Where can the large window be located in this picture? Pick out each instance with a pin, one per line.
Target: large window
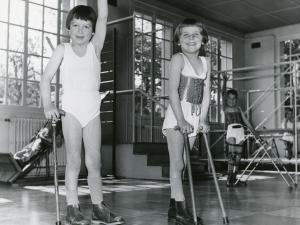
(153, 40)
(28, 31)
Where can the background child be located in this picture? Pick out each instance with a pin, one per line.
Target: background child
(189, 92)
(79, 63)
(288, 137)
(235, 134)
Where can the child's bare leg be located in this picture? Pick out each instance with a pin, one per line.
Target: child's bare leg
(73, 139)
(175, 147)
(178, 210)
(92, 145)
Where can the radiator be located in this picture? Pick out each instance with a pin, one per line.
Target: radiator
(22, 130)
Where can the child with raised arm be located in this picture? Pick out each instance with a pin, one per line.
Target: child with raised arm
(235, 121)
(79, 64)
(288, 137)
(189, 92)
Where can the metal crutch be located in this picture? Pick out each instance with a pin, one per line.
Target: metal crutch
(188, 164)
(58, 222)
(225, 218)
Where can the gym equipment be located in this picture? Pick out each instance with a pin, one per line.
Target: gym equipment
(266, 149)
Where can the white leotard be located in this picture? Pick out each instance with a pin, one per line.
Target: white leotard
(80, 78)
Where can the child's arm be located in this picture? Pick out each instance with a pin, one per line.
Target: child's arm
(284, 123)
(175, 68)
(203, 125)
(246, 121)
(224, 90)
(100, 32)
(50, 110)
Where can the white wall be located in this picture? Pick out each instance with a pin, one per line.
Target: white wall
(264, 55)
(267, 54)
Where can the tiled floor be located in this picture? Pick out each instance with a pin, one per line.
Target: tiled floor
(266, 200)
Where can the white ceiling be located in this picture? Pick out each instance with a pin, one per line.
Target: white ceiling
(245, 16)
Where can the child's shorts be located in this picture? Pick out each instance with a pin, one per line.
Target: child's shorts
(236, 131)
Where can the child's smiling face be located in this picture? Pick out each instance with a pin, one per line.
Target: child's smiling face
(190, 39)
(231, 100)
(80, 31)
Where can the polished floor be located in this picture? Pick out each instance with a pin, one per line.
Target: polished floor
(266, 200)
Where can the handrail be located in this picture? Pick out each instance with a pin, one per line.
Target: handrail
(258, 67)
(143, 93)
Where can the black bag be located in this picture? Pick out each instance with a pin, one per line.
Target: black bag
(40, 143)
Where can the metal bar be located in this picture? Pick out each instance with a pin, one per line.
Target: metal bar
(257, 67)
(58, 222)
(114, 135)
(113, 22)
(295, 125)
(189, 168)
(225, 218)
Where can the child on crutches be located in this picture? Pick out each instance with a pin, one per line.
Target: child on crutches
(235, 122)
(189, 91)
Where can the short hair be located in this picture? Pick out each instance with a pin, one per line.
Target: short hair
(232, 92)
(187, 23)
(82, 12)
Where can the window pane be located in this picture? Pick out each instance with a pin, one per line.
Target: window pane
(159, 46)
(138, 81)
(159, 31)
(35, 11)
(33, 94)
(52, 3)
(168, 34)
(50, 20)
(2, 90)
(34, 42)
(3, 56)
(4, 10)
(214, 62)
(138, 22)
(138, 64)
(63, 28)
(147, 26)
(3, 35)
(138, 44)
(213, 43)
(229, 49)
(223, 48)
(14, 95)
(146, 65)
(15, 65)
(16, 38)
(34, 68)
(17, 12)
(223, 63)
(147, 44)
(47, 48)
(157, 68)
